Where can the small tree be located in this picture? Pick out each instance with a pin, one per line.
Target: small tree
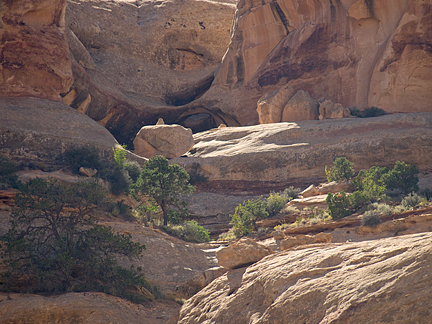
(342, 170)
(247, 214)
(163, 183)
(403, 176)
(55, 245)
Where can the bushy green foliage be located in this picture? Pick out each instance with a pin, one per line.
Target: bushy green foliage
(133, 168)
(339, 205)
(342, 170)
(119, 156)
(275, 203)
(55, 245)
(84, 156)
(291, 193)
(8, 171)
(247, 214)
(190, 231)
(383, 209)
(412, 200)
(367, 112)
(403, 176)
(163, 182)
(370, 184)
(370, 218)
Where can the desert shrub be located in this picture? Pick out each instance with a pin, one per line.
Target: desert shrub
(339, 205)
(84, 156)
(342, 170)
(291, 193)
(427, 193)
(119, 180)
(120, 156)
(190, 231)
(133, 168)
(367, 112)
(370, 218)
(275, 203)
(403, 177)
(412, 200)
(8, 171)
(290, 210)
(247, 214)
(383, 209)
(120, 209)
(55, 245)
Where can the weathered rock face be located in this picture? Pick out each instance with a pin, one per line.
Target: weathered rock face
(137, 61)
(170, 141)
(330, 110)
(39, 130)
(292, 241)
(325, 188)
(300, 107)
(82, 308)
(242, 253)
(386, 281)
(179, 269)
(271, 105)
(356, 52)
(278, 155)
(35, 59)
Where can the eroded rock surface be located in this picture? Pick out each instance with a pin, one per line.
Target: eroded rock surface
(35, 58)
(278, 155)
(170, 141)
(386, 280)
(82, 308)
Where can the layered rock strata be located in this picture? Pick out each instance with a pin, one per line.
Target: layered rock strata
(274, 156)
(386, 280)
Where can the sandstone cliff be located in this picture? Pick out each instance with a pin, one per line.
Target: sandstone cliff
(385, 281)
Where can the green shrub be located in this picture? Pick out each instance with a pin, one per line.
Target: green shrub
(190, 231)
(119, 180)
(8, 171)
(367, 112)
(85, 156)
(55, 244)
(342, 170)
(275, 203)
(247, 214)
(339, 205)
(412, 200)
(120, 156)
(383, 209)
(291, 193)
(370, 218)
(133, 168)
(403, 176)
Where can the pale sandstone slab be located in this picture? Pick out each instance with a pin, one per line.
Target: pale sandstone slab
(386, 280)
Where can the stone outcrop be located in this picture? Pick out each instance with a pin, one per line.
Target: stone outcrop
(274, 156)
(300, 107)
(35, 58)
(242, 253)
(82, 308)
(271, 105)
(135, 62)
(170, 141)
(325, 188)
(356, 53)
(314, 201)
(386, 280)
(177, 268)
(39, 130)
(330, 110)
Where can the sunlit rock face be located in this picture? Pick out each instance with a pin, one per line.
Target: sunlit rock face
(35, 58)
(357, 53)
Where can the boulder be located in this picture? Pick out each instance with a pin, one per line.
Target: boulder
(271, 105)
(278, 235)
(325, 188)
(300, 107)
(242, 253)
(82, 308)
(314, 201)
(35, 58)
(292, 241)
(386, 280)
(330, 110)
(88, 172)
(170, 141)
